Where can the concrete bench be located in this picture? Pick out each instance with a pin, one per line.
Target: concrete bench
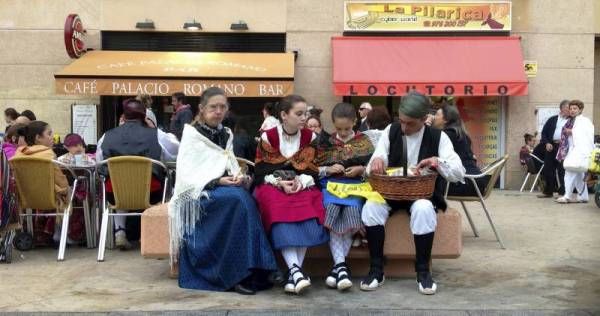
(399, 246)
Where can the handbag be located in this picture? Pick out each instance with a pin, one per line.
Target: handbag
(576, 163)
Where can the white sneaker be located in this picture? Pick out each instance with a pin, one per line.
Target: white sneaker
(289, 287)
(562, 200)
(121, 241)
(425, 283)
(301, 286)
(331, 281)
(301, 282)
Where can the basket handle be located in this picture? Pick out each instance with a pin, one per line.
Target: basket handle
(403, 160)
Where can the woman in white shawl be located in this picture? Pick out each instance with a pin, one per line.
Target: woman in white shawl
(577, 143)
(216, 232)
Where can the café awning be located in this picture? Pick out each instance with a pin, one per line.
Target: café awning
(459, 66)
(164, 73)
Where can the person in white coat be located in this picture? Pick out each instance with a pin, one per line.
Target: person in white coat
(576, 146)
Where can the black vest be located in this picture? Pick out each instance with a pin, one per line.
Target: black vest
(429, 148)
(133, 139)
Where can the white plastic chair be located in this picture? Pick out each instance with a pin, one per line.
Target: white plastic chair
(537, 175)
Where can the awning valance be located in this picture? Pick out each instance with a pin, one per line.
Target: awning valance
(164, 73)
(459, 66)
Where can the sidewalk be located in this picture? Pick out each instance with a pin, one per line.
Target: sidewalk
(551, 266)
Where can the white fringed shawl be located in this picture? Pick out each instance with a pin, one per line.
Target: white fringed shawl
(199, 161)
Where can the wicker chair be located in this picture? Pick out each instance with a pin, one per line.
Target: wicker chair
(130, 177)
(493, 170)
(34, 177)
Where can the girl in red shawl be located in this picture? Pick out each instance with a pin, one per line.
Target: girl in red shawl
(290, 204)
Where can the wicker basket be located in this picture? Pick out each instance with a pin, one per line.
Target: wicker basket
(403, 188)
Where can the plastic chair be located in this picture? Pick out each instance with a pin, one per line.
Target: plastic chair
(493, 170)
(531, 171)
(130, 177)
(34, 177)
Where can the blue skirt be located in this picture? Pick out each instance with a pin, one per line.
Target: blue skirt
(228, 244)
(308, 233)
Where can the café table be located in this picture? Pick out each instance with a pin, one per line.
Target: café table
(91, 214)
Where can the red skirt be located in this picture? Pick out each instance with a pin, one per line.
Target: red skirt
(276, 206)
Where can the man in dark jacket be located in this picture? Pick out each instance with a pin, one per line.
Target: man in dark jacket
(183, 114)
(135, 138)
(551, 139)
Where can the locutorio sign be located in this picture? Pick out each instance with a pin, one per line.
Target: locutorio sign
(484, 16)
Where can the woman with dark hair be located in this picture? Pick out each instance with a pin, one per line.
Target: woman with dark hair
(313, 123)
(342, 158)
(447, 118)
(39, 141)
(377, 120)
(29, 114)
(12, 140)
(527, 148)
(38, 137)
(216, 233)
(290, 203)
(10, 115)
(269, 115)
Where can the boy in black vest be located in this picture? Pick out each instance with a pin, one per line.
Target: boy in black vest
(426, 147)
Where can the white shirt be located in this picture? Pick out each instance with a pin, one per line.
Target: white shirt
(269, 123)
(450, 167)
(560, 123)
(288, 147)
(167, 141)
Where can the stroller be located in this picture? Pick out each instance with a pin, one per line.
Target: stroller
(9, 215)
(594, 172)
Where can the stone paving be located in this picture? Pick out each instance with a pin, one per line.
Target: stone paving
(551, 267)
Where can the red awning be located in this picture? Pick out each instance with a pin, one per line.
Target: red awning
(460, 66)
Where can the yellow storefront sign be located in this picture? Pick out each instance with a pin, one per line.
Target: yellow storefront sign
(164, 73)
(166, 87)
(427, 16)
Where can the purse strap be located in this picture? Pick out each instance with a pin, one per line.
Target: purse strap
(403, 161)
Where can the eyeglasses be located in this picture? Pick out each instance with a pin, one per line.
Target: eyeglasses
(360, 109)
(214, 107)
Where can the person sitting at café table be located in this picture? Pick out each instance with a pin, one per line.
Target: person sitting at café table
(135, 138)
(12, 140)
(39, 141)
(216, 231)
(75, 146)
(426, 148)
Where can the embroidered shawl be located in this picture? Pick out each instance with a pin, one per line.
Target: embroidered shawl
(199, 161)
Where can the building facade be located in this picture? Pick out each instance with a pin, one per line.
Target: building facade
(559, 35)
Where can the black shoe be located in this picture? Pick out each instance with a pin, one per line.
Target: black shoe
(302, 282)
(343, 280)
(374, 279)
(241, 289)
(276, 277)
(545, 196)
(425, 283)
(339, 277)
